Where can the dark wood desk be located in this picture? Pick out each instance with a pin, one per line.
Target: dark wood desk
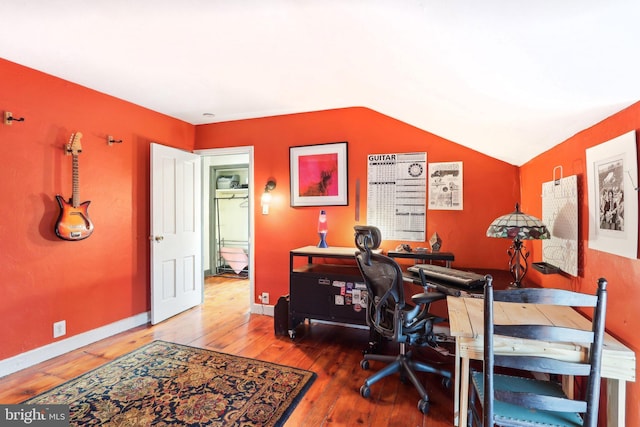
(447, 257)
(327, 287)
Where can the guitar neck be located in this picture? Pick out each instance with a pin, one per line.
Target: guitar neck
(75, 198)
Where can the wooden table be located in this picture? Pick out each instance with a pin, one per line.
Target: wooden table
(467, 326)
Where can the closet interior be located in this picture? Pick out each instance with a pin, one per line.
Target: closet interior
(231, 220)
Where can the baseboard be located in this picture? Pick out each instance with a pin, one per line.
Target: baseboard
(267, 310)
(49, 351)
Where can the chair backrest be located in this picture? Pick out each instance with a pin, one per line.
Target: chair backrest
(549, 330)
(383, 278)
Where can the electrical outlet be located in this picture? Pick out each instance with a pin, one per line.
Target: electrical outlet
(265, 297)
(59, 328)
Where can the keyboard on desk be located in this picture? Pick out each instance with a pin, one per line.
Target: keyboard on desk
(459, 278)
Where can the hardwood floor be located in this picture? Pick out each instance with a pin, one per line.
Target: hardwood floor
(223, 323)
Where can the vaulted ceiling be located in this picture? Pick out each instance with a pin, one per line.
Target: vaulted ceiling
(508, 78)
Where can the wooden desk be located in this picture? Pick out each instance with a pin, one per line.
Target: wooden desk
(315, 252)
(325, 287)
(467, 326)
(447, 257)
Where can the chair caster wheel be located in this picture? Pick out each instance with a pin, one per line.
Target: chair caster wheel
(423, 406)
(364, 364)
(365, 391)
(371, 349)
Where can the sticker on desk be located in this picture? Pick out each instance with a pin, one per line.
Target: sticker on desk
(339, 300)
(339, 283)
(355, 295)
(324, 281)
(349, 287)
(360, 285)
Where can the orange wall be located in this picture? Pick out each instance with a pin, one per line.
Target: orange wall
(491, 187)
(88, 283)
(105, 278)
(622, 273)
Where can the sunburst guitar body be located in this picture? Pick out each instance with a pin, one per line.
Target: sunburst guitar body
(73, 222)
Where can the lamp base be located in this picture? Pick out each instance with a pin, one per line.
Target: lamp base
(323, 240)
(517, 263)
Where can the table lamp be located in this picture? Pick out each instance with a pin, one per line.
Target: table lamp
(518, 226)
(323, 229)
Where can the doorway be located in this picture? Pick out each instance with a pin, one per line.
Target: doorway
(223, 162)
(229, 208)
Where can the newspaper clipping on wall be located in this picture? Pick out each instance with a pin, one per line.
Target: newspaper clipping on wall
(397, 195)
(445, 186)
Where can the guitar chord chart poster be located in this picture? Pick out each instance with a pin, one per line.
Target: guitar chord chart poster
(397, 195)
(560, 215)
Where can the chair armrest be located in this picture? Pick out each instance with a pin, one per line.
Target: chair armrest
(427, 297)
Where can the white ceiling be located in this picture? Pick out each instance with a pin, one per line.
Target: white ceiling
(508, 78)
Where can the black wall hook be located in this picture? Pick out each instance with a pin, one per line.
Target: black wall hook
(9, 119)
(111, 141)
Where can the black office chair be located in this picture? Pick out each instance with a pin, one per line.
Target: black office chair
(511, 400)
(392, 318)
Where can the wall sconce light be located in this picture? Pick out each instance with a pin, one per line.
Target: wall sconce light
(265, 200)
(9, 119)
(111, 140)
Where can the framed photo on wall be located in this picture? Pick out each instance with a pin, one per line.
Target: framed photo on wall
(445, 186)
(612, 176)
(318, 175)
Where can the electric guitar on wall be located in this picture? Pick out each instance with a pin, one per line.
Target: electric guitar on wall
(73, 222)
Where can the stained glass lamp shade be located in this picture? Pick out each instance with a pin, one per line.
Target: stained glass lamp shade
(518, 226)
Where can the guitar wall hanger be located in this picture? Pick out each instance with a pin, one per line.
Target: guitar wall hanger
(9, 119)
(111, 140)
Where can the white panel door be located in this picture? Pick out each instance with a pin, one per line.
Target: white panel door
(176, 249)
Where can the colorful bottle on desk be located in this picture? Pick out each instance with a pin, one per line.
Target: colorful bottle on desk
(323, 229)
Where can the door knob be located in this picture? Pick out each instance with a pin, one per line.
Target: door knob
(158, 238)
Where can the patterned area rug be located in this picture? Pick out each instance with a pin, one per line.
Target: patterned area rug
(164, 383)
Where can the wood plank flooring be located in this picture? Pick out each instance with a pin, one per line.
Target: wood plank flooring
(224, 323)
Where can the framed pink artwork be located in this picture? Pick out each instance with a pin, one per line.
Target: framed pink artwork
(318, 175)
